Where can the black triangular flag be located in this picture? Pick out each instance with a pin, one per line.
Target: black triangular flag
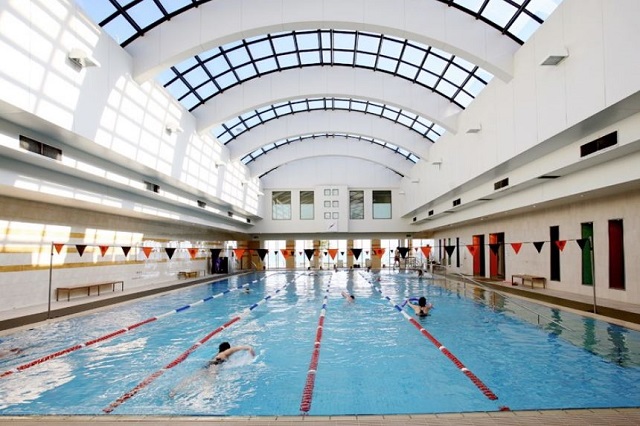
(538, 245)
(449, 249)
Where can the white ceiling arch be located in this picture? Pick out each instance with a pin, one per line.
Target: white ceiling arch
(330, 147)
(219, 22)
(326, 121)
(325, 82)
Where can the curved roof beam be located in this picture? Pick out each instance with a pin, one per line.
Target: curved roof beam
(332, 147)
(216, 23)
(332, 122)
(327, 82)
(236, 127)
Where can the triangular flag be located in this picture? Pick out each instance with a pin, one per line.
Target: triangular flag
(309, 253)
(341, 253)
(147, 251)
(494, 248)
(239, 253)
(472, 249)
(582, 242)
(125, 250)
(538, 245)
(325, 253)
(285, 253)
(332, 253)
(403, 251)
(426, 250)
(262, 253)
(170, 251)
(103, 249)
(366, 252)
(379, 252)
(415, 249)
(516, 247)
(449, 249)
(356, 252)
(193, 252)
(58, 247)
(80, 248)
(561, 244)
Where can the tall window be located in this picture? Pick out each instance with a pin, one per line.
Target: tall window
(281, 203)
(382, 204)
(306, 205)
(616, 255)
(356, 204)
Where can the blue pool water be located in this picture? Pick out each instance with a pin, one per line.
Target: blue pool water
(372, 359)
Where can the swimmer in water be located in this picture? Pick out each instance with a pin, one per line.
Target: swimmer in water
(422, 308)
(349, 297)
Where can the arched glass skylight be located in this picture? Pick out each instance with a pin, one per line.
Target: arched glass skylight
(126, 20)
(235, 127)
(275, 145)
(201, 77)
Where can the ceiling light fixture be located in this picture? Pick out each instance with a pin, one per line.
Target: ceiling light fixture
(82, 59)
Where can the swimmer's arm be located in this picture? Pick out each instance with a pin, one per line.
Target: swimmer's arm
(235, 349)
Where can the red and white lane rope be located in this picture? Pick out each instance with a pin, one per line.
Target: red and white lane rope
(307, 392)
(474, 379)
(113, 334)
(150, 379)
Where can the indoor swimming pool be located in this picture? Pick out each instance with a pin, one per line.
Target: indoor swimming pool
(318, 354)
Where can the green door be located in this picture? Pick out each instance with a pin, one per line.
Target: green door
(587, 267)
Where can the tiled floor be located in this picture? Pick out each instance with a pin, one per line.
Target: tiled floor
(608, 417)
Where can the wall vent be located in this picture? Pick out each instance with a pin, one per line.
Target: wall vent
(230, 214)
(202, 204)
(415, 218)
(40, 148)
(501, 184)
(152, 187)
(599, 144)
(456, 202)
(430, 212)
(548, 177)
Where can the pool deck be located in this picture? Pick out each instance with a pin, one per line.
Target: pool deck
(609, 417)
(625, 314)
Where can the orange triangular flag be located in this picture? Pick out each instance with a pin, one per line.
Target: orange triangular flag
(516, 247)
(238, 253)
(103, 249)
(285, 253)
(147, 251)
(332, 253)
(193, 252)
(561, 244)
(58, 247)
(472, 249)
(426, 250)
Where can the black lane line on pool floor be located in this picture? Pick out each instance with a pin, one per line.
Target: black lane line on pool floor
(307, 392)
(474, 379)
(113, 334)
(150, 379)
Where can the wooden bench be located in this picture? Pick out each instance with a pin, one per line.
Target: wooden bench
(88, 288)
(531, 278)
(188, 274)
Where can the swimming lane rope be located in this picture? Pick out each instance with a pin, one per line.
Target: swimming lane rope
(150, 379)
(113, 334)
(474, 379)
(307, 392)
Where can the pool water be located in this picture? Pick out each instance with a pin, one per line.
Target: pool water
(372, 360)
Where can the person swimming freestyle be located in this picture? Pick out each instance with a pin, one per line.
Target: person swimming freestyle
(422, 308)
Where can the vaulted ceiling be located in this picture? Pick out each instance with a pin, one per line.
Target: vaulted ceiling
(272, 77)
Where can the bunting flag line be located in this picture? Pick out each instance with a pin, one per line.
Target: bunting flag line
(103, 250)
(147, 251)
(494, 247)
(285, 253)
(426, 250)
(58, 247)
(262, 253)
(472, 249)
(239, 253)
(561, 244)
(538, 245)
(449, 250)
(583, 242)
(403, 251)
(125, 250)
(80, 248)
(332, 253)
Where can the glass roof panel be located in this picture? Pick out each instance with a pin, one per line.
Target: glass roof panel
(230, 130)
(136, 17)
(348, 137)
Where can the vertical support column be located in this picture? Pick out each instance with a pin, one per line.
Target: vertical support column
(349, 255)
(376, 262)
(254, 259)
(291, 260)
(315, 260)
